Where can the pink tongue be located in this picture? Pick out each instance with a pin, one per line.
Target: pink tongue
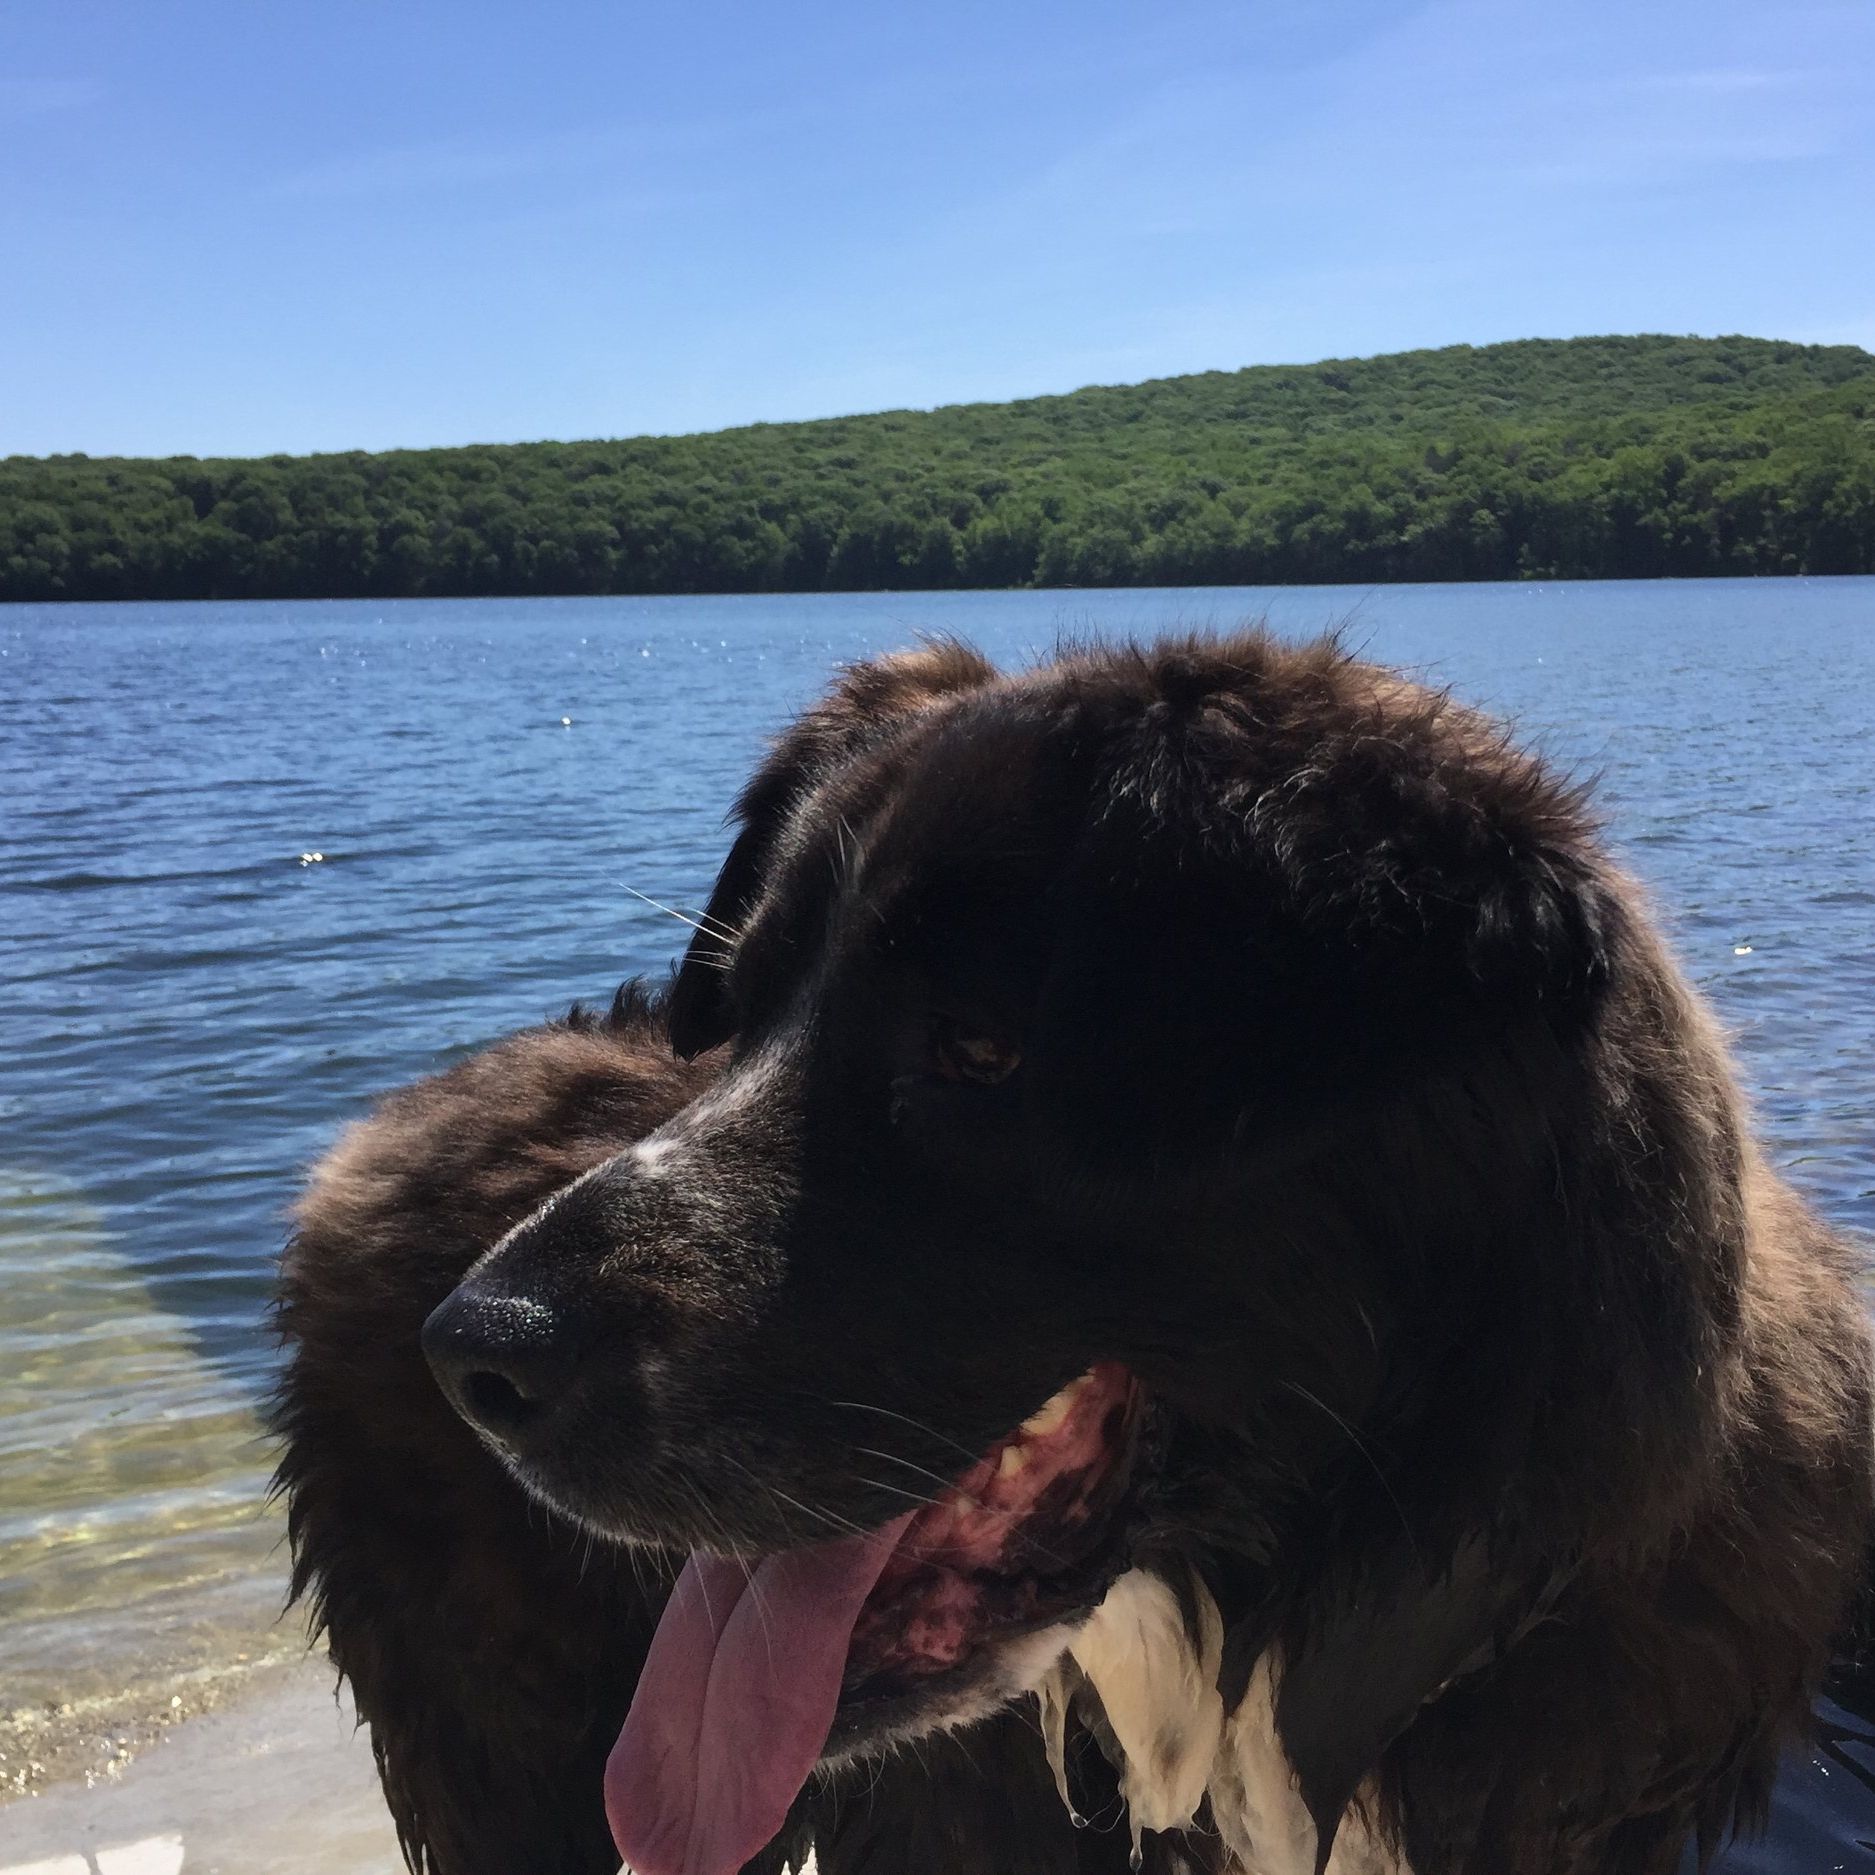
(735, 1702)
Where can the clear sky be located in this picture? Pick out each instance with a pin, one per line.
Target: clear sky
(239, 226)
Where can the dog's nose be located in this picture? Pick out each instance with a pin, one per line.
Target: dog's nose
(502, 1360)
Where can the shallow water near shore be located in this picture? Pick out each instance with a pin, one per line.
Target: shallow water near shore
(258, 861)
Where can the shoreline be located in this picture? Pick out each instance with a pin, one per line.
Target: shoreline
(91, 1690)
(272, 1777)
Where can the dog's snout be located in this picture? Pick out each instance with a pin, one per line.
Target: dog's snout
(503, 1360)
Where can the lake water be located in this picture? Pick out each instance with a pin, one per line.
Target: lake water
(260, 861)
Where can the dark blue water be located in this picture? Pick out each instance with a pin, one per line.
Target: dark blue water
(258, 861)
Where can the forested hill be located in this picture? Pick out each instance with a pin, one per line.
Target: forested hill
(1573, 458)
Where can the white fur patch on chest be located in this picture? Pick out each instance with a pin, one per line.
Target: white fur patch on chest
(1158, 1688)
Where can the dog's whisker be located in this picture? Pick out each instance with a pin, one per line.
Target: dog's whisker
(917, 1425)
(1008, 1514)
(1361, 1446)
(761, 1608)
(924, 1471)
(709, 1523)
(741, 1562)
(705, 923)
(831, 1518)
(898, 1490)
(845, 833)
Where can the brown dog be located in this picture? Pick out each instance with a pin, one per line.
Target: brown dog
(1197, 1197)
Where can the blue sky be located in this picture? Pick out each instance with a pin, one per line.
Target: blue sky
(234, 228)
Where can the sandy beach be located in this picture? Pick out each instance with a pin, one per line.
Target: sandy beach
(276, 1781)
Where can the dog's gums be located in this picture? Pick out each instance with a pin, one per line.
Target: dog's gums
(1019, 1542)
(754, 1660)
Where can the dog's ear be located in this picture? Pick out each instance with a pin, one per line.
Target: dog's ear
(870, 702)
(1297, 872)
(1383, 819)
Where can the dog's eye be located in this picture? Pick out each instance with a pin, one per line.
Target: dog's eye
(960, 1054)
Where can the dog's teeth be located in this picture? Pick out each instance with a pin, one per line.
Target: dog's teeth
(1048, 1417)
(1011, 1462)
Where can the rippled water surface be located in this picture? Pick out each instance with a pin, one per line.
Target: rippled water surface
(258, 861)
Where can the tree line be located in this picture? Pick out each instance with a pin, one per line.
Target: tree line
(1587, 458)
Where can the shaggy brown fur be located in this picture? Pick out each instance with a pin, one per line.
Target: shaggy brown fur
(1505, 1393)
(492, 1661)
(491, 1647)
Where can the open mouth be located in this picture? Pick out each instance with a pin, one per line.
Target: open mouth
(1021, 1542)
(758, 1670)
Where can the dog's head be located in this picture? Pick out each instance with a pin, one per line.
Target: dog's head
(1151, 1095)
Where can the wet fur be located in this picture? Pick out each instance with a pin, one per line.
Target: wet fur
(490, 1646)
(1521, 1412)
